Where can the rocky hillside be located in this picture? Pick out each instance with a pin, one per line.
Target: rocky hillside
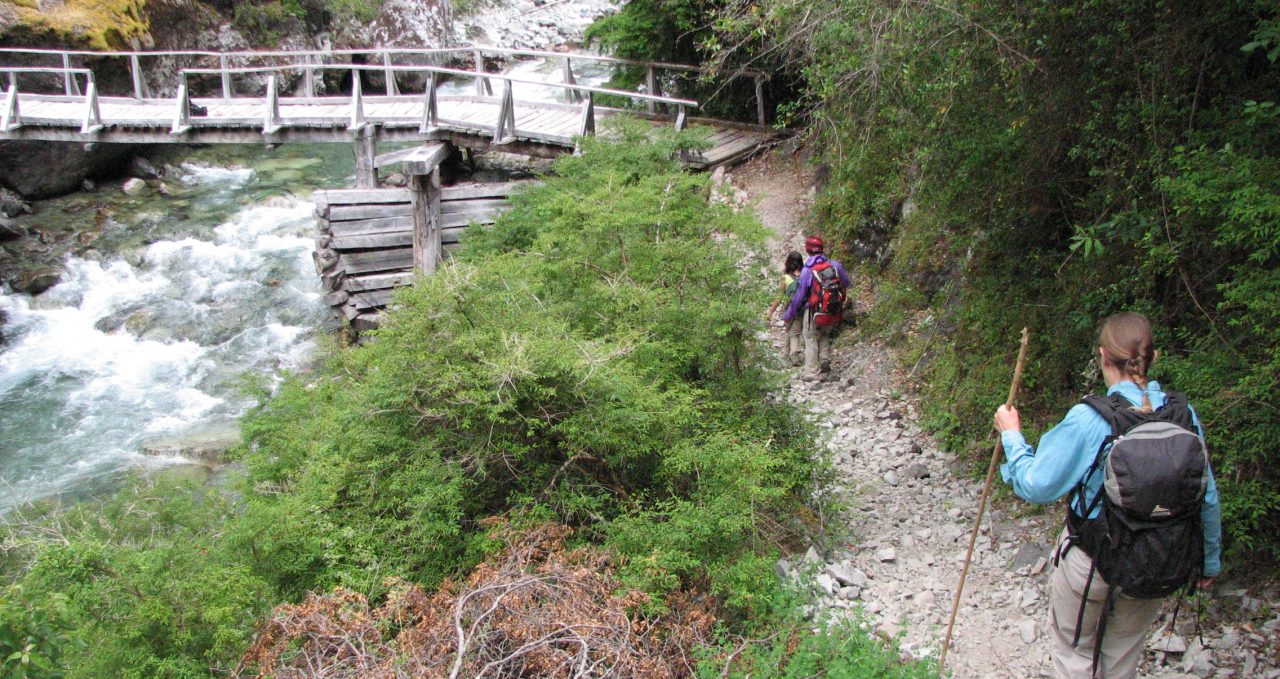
(105, 25)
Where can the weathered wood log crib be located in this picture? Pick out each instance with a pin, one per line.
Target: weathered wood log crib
(372, 241)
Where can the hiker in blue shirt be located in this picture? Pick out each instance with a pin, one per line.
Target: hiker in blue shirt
(1054, 469)
(816, 333)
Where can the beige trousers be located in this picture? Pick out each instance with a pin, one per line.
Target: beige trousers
(1126, 631)
(795, 343)
(817, 344)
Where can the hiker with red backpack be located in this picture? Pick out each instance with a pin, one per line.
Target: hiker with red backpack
(1143, 519)
(819, 297)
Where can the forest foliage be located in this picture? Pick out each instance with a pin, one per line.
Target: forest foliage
(1029, 163)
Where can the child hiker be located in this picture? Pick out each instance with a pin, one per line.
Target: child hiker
(786, 290)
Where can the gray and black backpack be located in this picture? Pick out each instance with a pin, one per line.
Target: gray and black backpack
(1147, 540)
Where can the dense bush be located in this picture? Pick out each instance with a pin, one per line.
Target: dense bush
(1032, 163)
(140, 585)
(34, 635)
(589, 357)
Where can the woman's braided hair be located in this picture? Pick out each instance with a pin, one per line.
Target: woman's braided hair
(1130, 348)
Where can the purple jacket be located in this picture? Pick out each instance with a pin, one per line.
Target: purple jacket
(801, 298)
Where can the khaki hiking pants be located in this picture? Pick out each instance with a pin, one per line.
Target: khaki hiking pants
(1126, 631)
(817, 345)
(795, 343)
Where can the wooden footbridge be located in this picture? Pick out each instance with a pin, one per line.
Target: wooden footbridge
(371, 239)
(280, 97)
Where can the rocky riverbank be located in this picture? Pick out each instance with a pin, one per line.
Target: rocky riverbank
(911, 506)
(530, 24)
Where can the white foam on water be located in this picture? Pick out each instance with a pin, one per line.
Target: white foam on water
(233, 177)
(115, 355)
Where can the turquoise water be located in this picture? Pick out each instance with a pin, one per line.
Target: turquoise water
(148, 335)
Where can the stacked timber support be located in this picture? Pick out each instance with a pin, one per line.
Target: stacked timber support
(372, 241)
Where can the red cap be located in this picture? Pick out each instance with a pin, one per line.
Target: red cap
(813, 245)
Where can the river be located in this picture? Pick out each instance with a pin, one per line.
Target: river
(148, 337)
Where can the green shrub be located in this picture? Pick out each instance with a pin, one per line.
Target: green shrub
(34, 637)
(590, 357)
(782, 644)
(146, 580)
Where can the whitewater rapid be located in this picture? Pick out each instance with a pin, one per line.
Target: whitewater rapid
(134, 348)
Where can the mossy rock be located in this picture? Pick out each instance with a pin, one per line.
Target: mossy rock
(95, 24)
(37, 280)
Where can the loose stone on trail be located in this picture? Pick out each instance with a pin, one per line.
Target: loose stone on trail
(1027, 629)
(1171, 643)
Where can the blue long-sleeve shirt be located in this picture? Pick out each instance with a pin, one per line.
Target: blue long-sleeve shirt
(1066, 452)
(801, 298)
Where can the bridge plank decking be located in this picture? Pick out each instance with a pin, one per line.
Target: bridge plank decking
(309, 119)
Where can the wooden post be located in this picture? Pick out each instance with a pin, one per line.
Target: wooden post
(309, 79)
(587, 122)
(760, 100)
(11, 119)
(139, 82)
(357, 103)
(427, 247)
(226, 77)
(574, 95)
(651, 82)
(69, 83)
(430, 112)
(271, 118)
(390, 75)
(92, 115)
(182, 117)
(505, 131)
(482, 83)
(682, 121)
(366, 148)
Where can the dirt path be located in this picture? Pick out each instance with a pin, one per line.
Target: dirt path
(912, 507)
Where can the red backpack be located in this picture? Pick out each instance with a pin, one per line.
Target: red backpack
(826, 295)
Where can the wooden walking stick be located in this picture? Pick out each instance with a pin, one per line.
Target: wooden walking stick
(982, 502)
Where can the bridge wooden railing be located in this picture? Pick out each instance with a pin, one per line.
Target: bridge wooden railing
(504, 125)
(12, 117)
(393, 62)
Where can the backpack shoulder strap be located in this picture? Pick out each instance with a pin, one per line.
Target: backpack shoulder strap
(1108, 409)
(1177, 409)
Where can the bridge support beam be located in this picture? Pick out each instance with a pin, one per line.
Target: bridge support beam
(366, 148)
(428, 248)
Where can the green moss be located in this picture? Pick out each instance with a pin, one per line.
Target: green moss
(95, 24)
